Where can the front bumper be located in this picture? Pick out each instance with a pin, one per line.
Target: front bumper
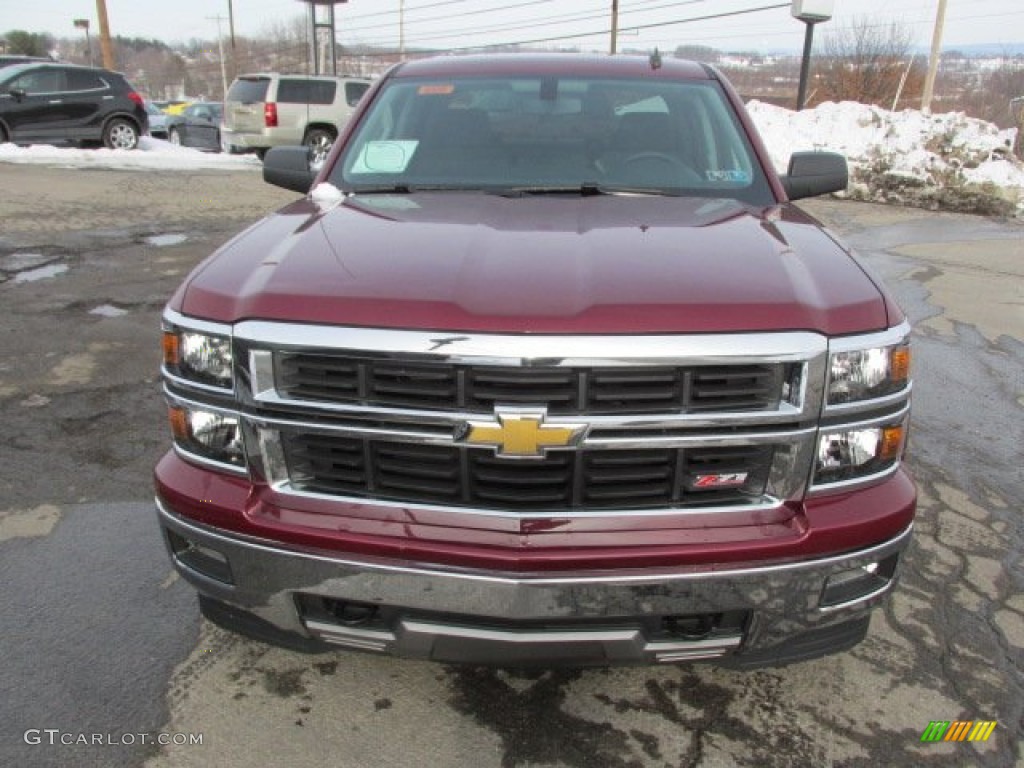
(753, 615)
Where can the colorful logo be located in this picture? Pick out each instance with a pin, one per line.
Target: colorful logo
(958, 730)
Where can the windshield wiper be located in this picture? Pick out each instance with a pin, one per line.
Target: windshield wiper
(586, 189)
(383, 189)
(408, 189)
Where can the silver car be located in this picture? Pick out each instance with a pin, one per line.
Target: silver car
(271, 110)
(157, 121)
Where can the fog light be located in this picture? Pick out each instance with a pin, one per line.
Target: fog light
(859, 583)
(202, 559)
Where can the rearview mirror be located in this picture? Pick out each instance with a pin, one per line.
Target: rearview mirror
(815, 173)
(288, 167)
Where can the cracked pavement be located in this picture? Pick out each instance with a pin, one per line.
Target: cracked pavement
(100, 636)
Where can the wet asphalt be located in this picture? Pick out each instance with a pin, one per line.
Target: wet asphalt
(100, 640)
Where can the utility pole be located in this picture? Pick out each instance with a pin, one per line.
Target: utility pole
(105, 46)
(401, 29)
(220, 47)
(933, 61)
(615, 27)
(234, 49)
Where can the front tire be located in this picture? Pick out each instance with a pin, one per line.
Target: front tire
(120, 134)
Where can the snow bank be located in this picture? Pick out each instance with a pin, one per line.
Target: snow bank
(152, 154)
(945, 161)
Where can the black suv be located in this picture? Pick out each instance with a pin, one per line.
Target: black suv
(63, 103)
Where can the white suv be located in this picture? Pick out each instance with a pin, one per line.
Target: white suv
(270, 110)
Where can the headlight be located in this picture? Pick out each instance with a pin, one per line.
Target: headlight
(200, 357)
(209, 434)
(850, 454)
(863, 374)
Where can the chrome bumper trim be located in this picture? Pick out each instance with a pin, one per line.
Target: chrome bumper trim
(782, 598)
(616, 644)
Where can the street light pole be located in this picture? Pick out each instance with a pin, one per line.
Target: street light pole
(234, 49)
(84, 24)
(810, 12)
(615, 26)
(805, 66)
(220, 48)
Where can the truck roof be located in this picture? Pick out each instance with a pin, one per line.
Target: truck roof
(562, 63)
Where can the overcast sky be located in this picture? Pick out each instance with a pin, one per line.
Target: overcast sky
(584, 23)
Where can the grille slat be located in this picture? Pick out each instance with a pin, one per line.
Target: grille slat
(457, 387)
(544, 387)
(581, 479)
(416, 472)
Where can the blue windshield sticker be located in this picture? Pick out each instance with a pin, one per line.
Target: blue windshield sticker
(385, 157)
(731, 177)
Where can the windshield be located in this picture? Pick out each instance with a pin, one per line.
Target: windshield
(542, 133)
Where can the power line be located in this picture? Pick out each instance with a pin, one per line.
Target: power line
(539, 21)
(495, 9)
(595, 33)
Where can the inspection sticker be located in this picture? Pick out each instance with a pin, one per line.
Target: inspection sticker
(732, 177)
(385, 157)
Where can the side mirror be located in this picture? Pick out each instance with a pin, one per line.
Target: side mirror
(288, 167)
(18, 93)
(815, 173)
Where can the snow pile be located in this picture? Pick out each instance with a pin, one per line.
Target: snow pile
(947, 161)
(152, 154)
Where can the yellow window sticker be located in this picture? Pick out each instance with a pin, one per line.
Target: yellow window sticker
(437, 89)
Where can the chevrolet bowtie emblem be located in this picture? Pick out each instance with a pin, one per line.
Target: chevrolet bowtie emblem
(521, 433)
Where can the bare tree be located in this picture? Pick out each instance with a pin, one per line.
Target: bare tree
(988, 93)
(870, 63)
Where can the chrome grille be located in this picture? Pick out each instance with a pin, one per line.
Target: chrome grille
(629, 479)
(369, 382)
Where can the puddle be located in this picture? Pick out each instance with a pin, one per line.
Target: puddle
(108, 310)
(42, 273)
(17, 262)
(162, 241)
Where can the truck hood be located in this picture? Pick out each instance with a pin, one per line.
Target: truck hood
(464, 261)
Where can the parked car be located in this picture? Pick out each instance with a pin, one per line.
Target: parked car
(197, 126)
(63, 103)
(272, 110)
(157, 121)
(176, 107)
(547, 369)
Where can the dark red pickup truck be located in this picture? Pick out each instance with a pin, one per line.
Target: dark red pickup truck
(546, 369)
